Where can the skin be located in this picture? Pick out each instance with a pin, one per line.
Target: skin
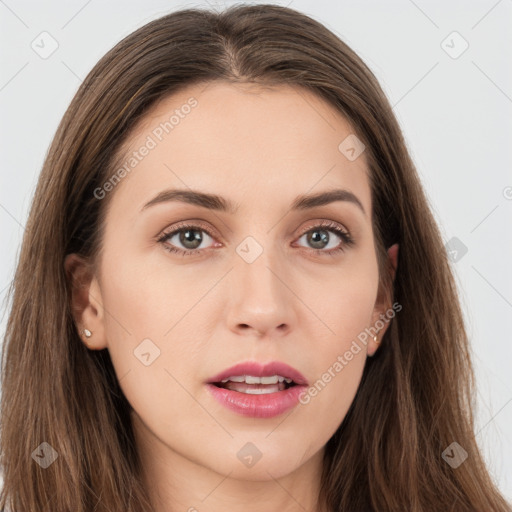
(261, 148)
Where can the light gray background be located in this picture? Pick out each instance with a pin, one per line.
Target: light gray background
(456, 114)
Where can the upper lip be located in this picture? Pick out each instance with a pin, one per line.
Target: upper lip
(257, 369)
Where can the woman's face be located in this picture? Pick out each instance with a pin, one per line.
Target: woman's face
(263, 280)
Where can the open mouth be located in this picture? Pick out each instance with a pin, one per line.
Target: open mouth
(258, 390)
(256, 385)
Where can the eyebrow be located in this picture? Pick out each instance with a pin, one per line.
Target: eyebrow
(219, 203)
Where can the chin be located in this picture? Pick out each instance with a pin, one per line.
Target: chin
(258, 460)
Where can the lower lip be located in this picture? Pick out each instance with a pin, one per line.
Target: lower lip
(258, 406)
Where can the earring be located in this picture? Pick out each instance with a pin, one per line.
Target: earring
(376, 340)
(87, 333)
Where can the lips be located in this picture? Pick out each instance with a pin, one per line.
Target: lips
(258, 390)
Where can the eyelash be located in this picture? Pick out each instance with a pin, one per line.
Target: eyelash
(348, 241)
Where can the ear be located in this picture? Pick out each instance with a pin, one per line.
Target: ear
(86, 301)
(381, 317)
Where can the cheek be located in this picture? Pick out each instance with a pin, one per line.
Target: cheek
(145, 320)
(145, 296)
(339, 361)
(341, 301)
(345, 306)
(151, 328)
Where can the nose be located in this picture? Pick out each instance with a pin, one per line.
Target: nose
(262, 301)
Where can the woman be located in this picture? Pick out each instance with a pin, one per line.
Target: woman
(232, 293)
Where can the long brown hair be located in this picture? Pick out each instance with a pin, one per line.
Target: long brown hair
(415, 397)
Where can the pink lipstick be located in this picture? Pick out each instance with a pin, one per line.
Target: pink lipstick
(258, 390)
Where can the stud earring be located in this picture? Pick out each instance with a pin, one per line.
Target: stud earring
(87, 333)
(376, 340)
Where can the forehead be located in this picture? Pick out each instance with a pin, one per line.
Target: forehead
(245, 141)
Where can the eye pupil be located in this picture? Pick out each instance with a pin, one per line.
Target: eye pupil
(321, 239)
(192, 236)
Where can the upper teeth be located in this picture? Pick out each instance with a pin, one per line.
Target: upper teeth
(249, 379)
